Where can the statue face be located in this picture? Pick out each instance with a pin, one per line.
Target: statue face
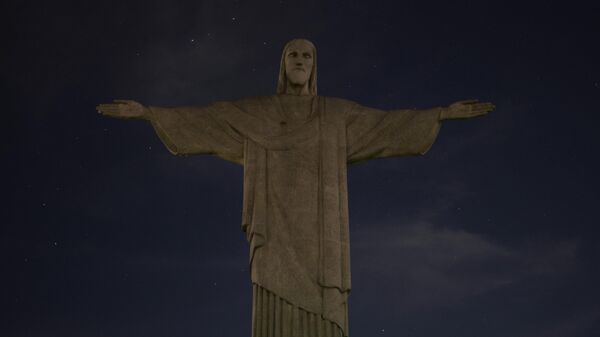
(299, 63)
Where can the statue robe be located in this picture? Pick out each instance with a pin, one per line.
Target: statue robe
(295, 210)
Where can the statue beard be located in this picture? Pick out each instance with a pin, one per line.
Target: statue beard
(298, 78)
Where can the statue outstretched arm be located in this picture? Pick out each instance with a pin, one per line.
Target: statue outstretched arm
(373, 133)
(187, 130)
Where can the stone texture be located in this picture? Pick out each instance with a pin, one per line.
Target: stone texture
(295, 147)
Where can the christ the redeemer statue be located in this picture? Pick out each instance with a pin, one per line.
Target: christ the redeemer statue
(295, 147)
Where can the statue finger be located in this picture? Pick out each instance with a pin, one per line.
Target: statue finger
(128, 110)
(481, 107)
(101, 109)
(124, 101)
(468, 101)
(107, 107)
(479, 112)
(110, 111)
(488, 106)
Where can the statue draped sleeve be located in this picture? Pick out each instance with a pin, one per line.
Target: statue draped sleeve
(373, 133)
(201, 130)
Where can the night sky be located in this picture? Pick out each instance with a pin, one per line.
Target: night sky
(494, 232)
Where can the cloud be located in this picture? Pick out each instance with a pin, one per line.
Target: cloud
(580, 325)
(420, 265)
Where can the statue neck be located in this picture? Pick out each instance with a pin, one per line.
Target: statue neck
(298, 90)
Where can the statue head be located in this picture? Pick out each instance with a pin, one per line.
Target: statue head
(298, 68)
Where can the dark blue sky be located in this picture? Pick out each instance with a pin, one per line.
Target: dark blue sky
(493, 233)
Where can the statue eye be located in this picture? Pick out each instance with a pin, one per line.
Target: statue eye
(307, 56)
(293, 54)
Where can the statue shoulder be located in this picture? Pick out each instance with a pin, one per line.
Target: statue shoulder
(262, 107)
(339, 105)
(254, 101)
(254, 104)
(338, 101)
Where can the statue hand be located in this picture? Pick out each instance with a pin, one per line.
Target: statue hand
(466, 109)
(123, 108)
